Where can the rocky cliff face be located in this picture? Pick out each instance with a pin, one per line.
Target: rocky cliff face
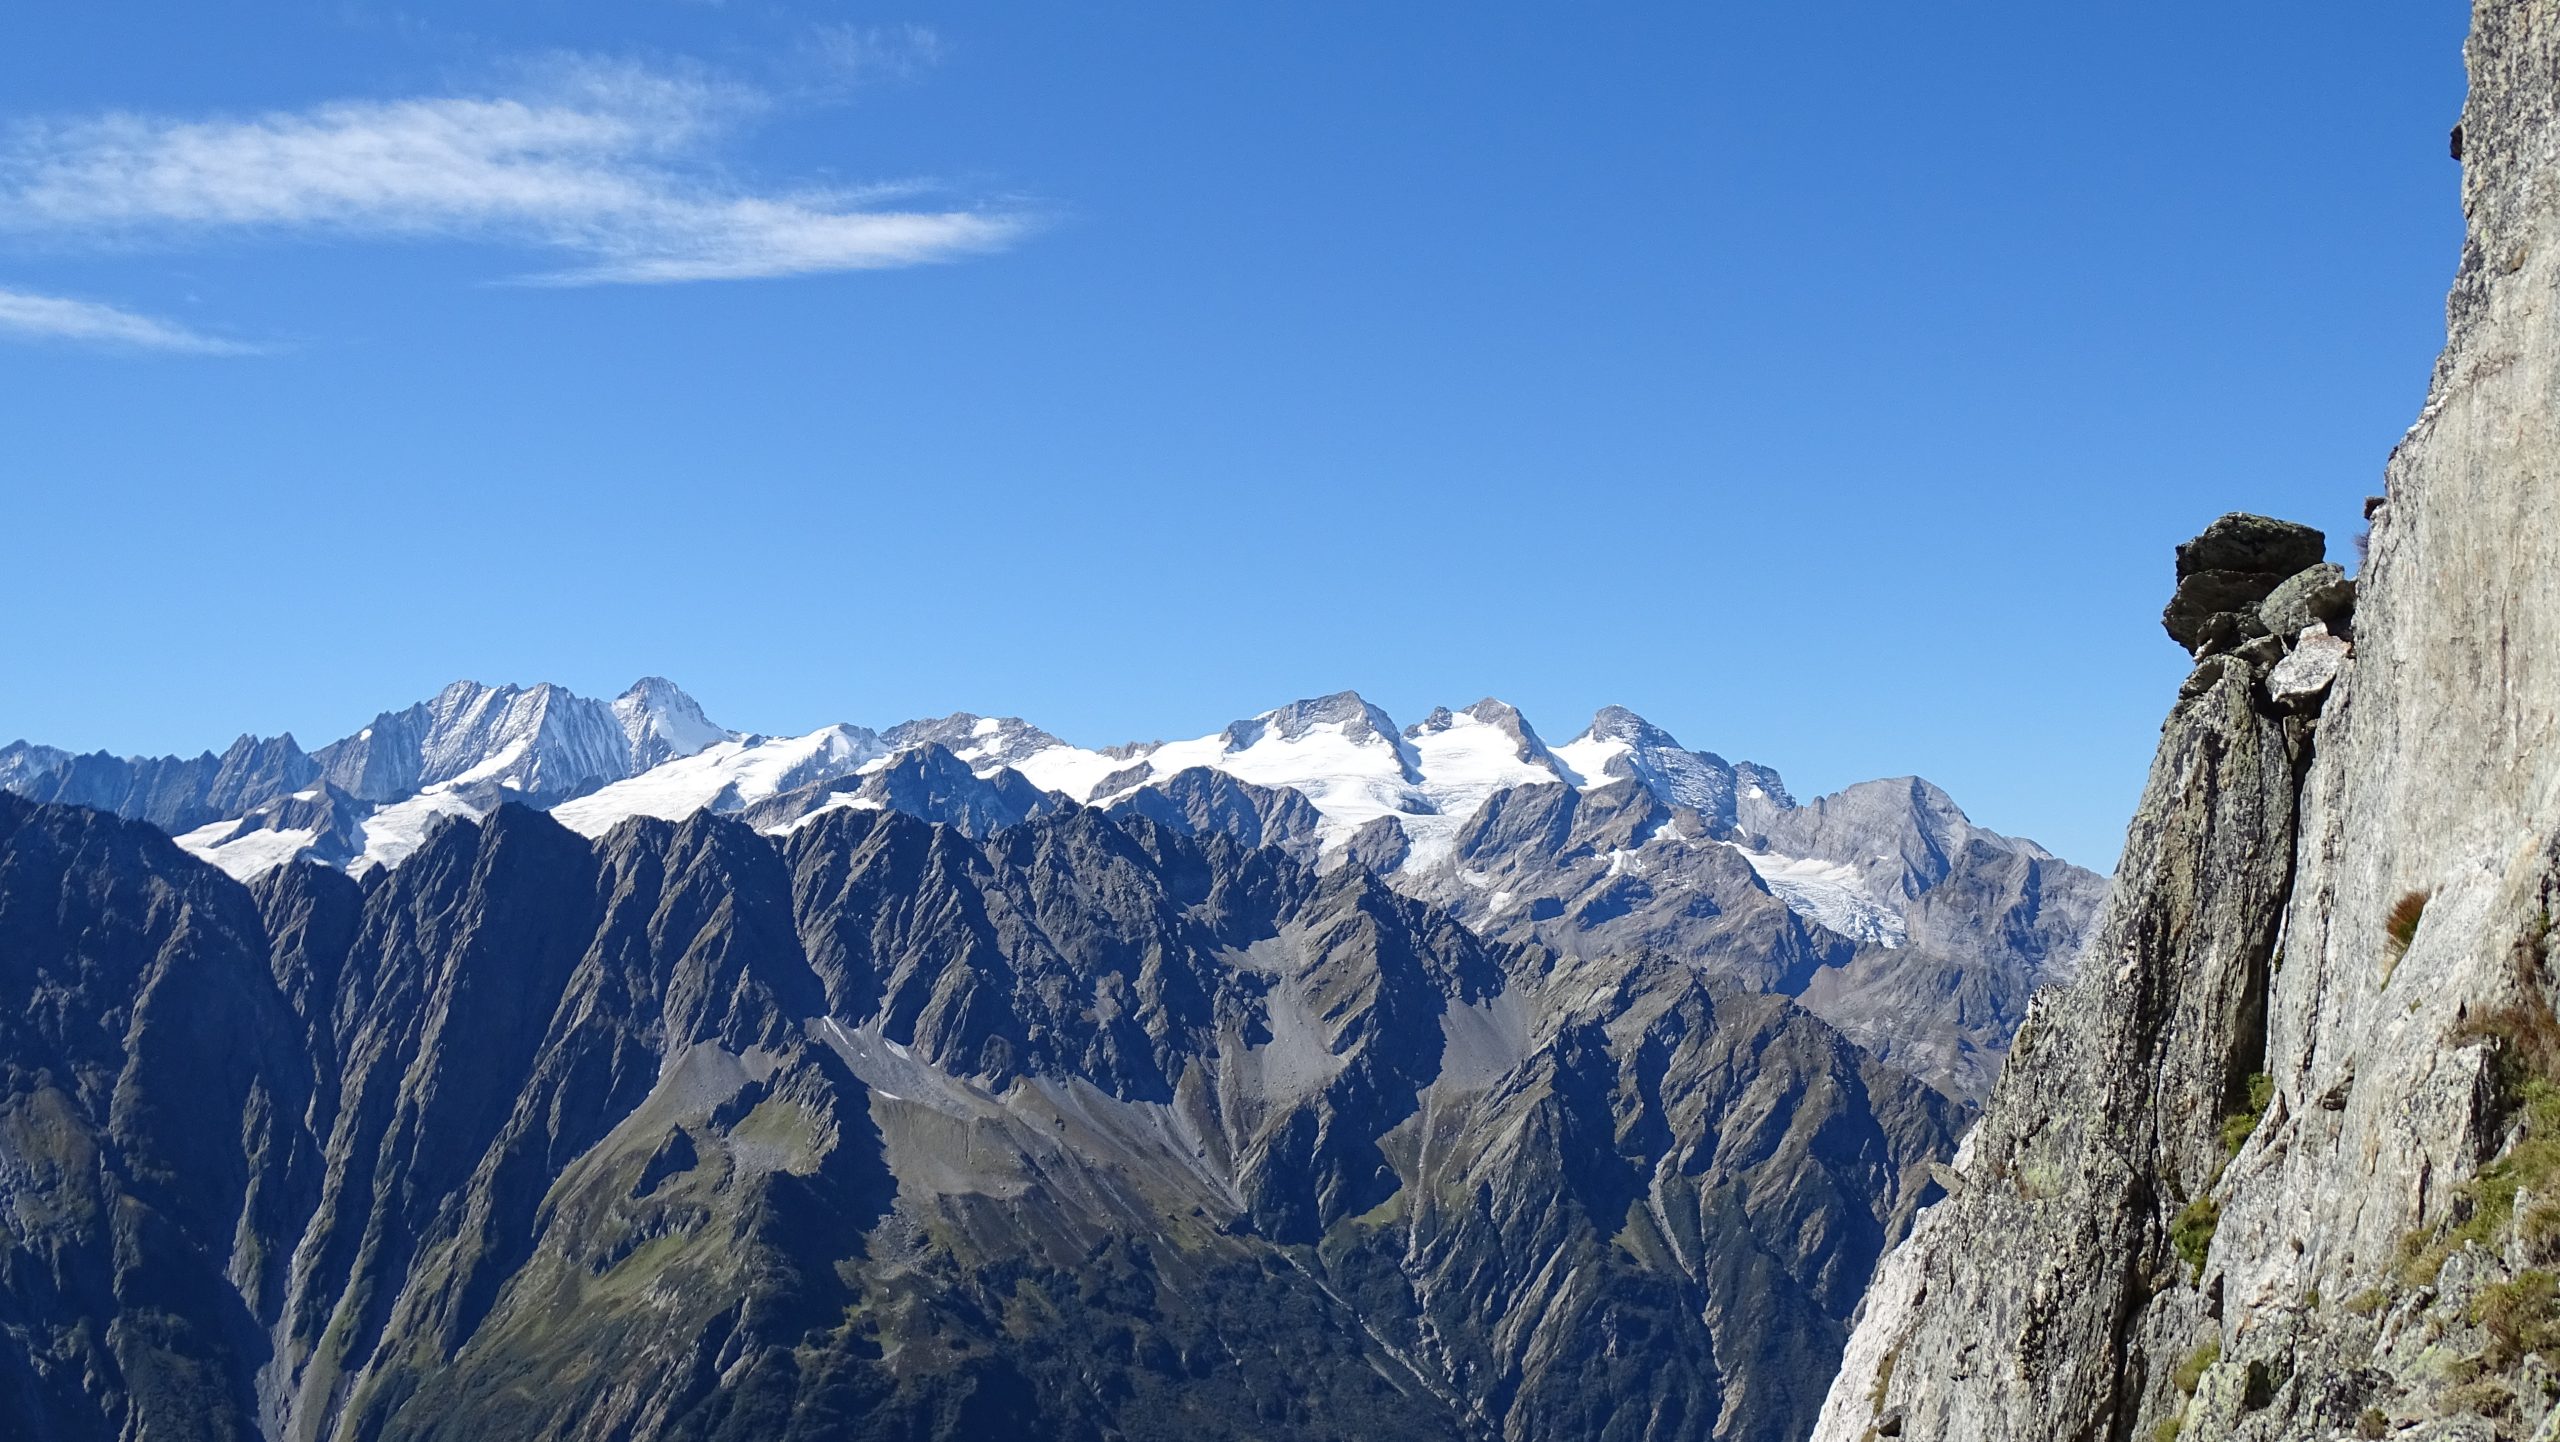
(1083, 1127)
(2280, 1163)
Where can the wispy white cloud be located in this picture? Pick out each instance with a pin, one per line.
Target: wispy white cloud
(860, 54)
(614, 168)
(29, 316)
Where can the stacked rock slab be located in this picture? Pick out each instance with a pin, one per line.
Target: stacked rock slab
(2223, 575)
(2280, 1163)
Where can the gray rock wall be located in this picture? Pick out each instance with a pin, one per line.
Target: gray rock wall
(2368, 1258)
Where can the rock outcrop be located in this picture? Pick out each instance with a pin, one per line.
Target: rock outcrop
(2279, 1164)
(2226, 572)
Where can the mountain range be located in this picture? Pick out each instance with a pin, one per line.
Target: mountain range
(532, 1066)
(869, 1128)
(1881, 908)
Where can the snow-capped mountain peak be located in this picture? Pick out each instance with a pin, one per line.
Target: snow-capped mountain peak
(1619, 838)
(985, 742)
(1331, 776)
(541, 740)
(1502, 716)
(1344, 713)
(1620, 746)
(662, 723)
(728, 775)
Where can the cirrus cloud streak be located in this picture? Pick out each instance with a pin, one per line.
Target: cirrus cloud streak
(616, 172)
(31, 316)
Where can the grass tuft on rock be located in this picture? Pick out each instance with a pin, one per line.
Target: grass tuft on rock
(1884, 1379)
(2239, 1126)
(2189, 1374)
(2192, 1233)
(2400, 928)
(2487, 1204)
(2522, 1318)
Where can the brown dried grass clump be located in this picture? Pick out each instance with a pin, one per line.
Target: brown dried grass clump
(2401, 926)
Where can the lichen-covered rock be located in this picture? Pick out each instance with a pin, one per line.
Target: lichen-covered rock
(2362, 1249)
(2319, 595)
(2213, 611)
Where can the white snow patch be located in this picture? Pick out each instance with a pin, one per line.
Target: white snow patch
(1072, 771)
(729, 776)
(497, 764)
(1463, 763)
(1829, 893)
(394, 831)
(1589, 757)
(841, 801)
(1351, 781)
(251, 853)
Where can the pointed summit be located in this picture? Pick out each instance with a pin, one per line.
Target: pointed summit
(663, 723)
(1623, 746)
(1617, 723)
(541, 740)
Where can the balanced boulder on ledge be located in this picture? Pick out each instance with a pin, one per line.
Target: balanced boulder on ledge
(2229, 568)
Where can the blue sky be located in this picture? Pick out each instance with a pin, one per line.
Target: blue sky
(1828, 383)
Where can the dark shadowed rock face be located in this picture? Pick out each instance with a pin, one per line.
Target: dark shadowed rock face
(173, 792)
(1200, 800)
(153, 1166)
(2225, 572)
(1085, 1128)
(927, 782)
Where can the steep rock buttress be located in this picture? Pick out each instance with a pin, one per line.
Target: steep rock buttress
(2284, 1161)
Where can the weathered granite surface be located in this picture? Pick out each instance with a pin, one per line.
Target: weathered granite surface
(2331, 928)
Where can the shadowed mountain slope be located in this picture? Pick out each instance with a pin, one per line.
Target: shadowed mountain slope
(1084, 1128)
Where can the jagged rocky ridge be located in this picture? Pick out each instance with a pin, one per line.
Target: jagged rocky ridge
(2281, 1162)
(1883, 907)
(1084, 1128)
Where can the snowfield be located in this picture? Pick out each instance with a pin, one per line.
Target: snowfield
(653, 753)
